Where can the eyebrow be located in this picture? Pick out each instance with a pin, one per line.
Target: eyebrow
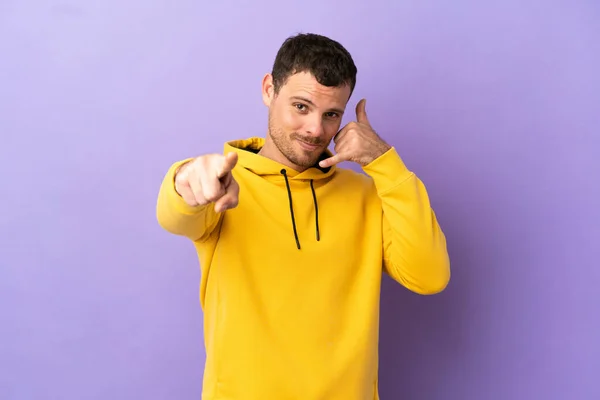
(304, 99)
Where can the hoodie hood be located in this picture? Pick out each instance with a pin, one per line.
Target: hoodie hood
(248, 158)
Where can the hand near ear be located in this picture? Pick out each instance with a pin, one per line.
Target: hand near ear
(357, 141)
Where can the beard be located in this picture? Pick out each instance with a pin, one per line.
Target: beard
(286, 146)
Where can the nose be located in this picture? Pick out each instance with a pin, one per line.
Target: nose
(314, 126)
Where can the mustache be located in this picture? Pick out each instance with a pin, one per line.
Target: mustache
(308, 139)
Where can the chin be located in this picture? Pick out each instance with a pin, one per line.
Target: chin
(309, 160)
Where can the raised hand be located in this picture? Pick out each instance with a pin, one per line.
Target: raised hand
(208, 179)
(357, 141)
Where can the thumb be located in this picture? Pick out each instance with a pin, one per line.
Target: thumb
(361, 112)
(229, 162)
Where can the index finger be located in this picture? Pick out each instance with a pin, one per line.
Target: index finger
(229, 162)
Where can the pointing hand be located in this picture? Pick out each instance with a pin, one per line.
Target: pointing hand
(208, 179)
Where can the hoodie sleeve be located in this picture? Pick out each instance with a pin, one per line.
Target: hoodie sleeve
(175, 216)
(414, 246)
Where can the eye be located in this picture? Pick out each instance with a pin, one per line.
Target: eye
(300, 107)
(332, 115)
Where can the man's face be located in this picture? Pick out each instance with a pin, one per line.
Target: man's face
(303, 117)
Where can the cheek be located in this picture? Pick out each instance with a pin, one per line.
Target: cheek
(331, 129)
(291, 121)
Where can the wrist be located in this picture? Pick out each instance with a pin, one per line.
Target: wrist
(379, 150)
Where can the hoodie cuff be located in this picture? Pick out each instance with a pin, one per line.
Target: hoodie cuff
(387, 171)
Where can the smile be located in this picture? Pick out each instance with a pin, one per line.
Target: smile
(308, 146)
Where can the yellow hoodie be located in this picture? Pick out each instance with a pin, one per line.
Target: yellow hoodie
(291, 277)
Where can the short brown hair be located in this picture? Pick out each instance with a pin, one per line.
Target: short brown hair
(324, 58)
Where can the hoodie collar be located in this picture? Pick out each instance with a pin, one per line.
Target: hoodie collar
(248, 157)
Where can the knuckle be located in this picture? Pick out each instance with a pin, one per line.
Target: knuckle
(212, 194)
(201, 164)
(182, 174)
(181, 183)
(199, 197)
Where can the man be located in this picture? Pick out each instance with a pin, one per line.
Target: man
(292, 247)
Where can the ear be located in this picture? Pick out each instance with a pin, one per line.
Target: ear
(268, 90)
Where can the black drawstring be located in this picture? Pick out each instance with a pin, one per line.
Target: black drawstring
(316, 209)
(289, 191)
(283, 171)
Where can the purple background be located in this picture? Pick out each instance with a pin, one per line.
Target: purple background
(494, 104)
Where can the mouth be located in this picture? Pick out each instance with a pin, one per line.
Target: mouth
(308, 146)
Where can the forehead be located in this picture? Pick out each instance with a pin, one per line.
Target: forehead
(305, 85)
